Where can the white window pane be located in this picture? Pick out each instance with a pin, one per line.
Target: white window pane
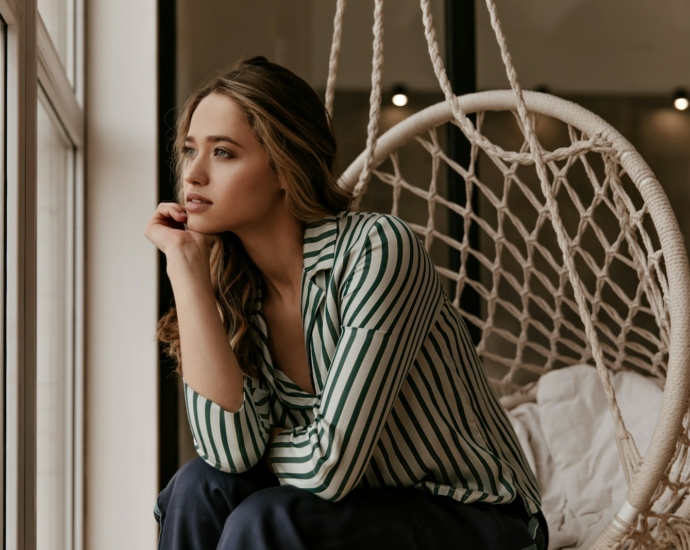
(58, 16)
(54, 333)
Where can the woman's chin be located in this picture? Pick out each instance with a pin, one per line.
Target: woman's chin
(200, 227)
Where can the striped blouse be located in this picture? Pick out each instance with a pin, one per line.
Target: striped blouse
(400, 395)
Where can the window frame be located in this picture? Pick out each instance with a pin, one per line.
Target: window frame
(31, 60)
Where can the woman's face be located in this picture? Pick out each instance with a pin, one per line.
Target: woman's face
(228, 168)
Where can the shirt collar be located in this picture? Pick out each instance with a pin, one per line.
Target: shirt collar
(319, 245)
(318, 251)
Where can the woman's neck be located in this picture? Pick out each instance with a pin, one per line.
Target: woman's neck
(277, 249)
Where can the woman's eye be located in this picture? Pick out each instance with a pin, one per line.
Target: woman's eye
(188, 152)
(222, 153)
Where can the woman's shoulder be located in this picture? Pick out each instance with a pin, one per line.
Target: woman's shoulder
(363, 225)
(352, 234)
(360, 235)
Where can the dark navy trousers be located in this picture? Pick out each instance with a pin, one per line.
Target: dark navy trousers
(205, 509)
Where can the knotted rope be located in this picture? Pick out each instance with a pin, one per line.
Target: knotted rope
(375, 96)
(335, 52)
(374, 105)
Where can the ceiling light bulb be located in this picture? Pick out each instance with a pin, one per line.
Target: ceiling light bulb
(399, 100)
(680, 99)
(399, 96)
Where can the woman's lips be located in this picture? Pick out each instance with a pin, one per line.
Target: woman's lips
(195, 207)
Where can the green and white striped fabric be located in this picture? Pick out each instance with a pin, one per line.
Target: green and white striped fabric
(401, 398)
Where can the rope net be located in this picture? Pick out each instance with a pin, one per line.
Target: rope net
(505, 271)
(524, 304)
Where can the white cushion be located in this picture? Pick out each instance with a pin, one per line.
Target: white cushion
(569, 439)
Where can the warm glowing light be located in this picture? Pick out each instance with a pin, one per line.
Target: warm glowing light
(681, 103)
(399, 100)
(680, 99)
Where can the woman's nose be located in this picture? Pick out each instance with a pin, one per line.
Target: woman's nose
(195, 172)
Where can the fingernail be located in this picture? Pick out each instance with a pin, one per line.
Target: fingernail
(183, 213)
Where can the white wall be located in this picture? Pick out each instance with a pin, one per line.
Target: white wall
(121, 272)
(588, 46)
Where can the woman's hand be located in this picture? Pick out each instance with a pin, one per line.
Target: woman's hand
(167, 231)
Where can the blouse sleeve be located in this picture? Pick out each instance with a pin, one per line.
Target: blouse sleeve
(230, 442)
(389, 300)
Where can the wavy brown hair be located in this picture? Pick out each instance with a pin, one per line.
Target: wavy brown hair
(292, 125)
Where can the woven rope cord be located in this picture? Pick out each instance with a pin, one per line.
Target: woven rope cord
(335, 53)
(439, 70)
(374, 104)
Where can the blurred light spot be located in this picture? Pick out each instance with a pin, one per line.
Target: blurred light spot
(399, 93)
(400, 100)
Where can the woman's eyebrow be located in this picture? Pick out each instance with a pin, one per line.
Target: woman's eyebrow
(214, 139)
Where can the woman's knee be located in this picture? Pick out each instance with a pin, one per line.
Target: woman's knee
(267, 502)
(263, 512)
(199, 481)
(190, 482)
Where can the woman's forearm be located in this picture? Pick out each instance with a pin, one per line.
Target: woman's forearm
(209, 365)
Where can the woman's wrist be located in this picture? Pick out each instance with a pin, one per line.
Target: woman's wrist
(187, 261)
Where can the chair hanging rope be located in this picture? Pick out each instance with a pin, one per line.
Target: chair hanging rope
(335, 53)
(374, 103)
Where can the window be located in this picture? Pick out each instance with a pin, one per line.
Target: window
(58, 17)
(43, 267)
(54, 331)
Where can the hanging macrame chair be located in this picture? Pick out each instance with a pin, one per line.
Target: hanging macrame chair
(575, 290)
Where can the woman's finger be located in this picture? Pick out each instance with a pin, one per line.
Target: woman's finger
(166, 223)
(171, 210)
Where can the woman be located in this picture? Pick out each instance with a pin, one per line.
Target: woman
(333, 392)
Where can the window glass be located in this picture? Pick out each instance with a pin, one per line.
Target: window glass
(58, 18)
(54, 332)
